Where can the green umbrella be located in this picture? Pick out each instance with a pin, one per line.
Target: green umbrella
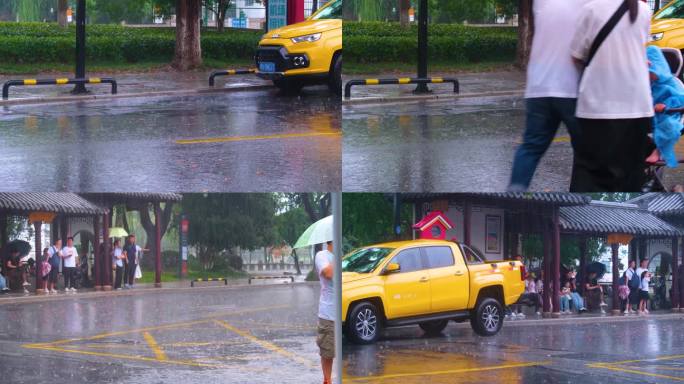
(117, 232)
(318, 233)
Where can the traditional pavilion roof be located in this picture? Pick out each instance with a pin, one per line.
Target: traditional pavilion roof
(125, 197)
(600, 217)
(551, 198)
(57, 202)
(661, 204)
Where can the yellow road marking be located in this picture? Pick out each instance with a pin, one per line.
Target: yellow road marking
(619, 369)
(444, 372)
(160, 355)
(255, 138)
(265, 344)
(671, 357)
(139, 358)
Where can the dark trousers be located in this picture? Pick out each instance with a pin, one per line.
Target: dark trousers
(542, 120)
(68, 277)
(118, 277)
(130, 273)
(610, 155)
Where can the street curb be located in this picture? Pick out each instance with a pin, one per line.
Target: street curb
(396, 99)
(183, 92)
(33, 298)
(585, 320)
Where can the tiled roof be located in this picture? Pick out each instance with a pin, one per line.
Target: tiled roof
(553, 198)
(661, 203)
(58, 202)
(607, 217)
(123, 197)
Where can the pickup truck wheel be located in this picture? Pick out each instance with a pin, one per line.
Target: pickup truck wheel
(434, 328)
(363, 326)
(335, 81)
(487, 318)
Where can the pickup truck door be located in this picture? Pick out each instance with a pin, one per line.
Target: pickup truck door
(407, 292)
(449, 278)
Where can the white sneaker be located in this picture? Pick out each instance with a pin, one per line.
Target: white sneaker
(603, 311)
(26, 283)
(646, 310)
(73, 290)
(521, 316)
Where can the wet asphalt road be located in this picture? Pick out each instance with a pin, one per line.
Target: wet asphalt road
(232, 142)
(462, 145)
(263, 334)
(565, 351)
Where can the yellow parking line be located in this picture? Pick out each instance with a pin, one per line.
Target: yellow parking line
(160, 355)
(445, 372)
(671, 357)
(627, 370)
(255, 138)
(265, 344)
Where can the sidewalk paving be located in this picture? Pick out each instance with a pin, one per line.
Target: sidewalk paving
(469, 83)
(132, 83)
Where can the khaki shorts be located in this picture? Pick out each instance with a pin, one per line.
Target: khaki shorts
(326, 338)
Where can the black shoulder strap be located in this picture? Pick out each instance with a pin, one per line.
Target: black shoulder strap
(606, 30)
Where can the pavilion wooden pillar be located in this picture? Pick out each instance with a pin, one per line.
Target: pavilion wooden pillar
(583, 262)
(37, 226)
(674, 298)
(555, 294)
(546, 270)
(97, 256)
(64, 229)
(107, 275)
(3, 230)
(157, 245)
(615, 247)
(466, 222)
(680, 280)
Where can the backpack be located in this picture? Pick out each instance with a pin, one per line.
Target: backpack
(635, 281)
(45, 268)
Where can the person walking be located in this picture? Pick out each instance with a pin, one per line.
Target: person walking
(324, 261)
(131, 261)
(118, 261)
(70, 257)
(614, 104)
(551, 92)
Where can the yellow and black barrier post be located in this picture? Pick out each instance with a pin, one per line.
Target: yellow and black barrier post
(62, 81)
(405, 80)
(229, 72)
(225, 281)
(270, 278)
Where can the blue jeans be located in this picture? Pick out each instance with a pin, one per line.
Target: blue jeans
(564, 303)
(577, 301)
(3, 283)
(542, 120)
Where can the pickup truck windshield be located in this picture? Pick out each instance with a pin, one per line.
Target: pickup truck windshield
(364, 260)
(674, 11)
(334, 11)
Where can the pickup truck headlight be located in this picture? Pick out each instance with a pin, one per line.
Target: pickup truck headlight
(656, 36)
(307, 38)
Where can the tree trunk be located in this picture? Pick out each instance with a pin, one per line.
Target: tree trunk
(148, 223)
(525, 32)
(296, 262)
(221, 15)
(404, 6)
(62, 6)
(188, 46)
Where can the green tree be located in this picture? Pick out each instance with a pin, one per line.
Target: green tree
(129, 11)
(221, 222)
(289, 226)
(368, 218)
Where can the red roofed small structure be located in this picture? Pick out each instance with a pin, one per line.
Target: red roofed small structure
(433, 226)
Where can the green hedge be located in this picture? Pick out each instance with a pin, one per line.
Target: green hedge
(368, 42)
(48, 43)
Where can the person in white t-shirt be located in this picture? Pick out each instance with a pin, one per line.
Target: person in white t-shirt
(614, 104)
(325, 339)
(70, 257)
(551, 92)
(118, 261)
(643, 267)
(643, 292)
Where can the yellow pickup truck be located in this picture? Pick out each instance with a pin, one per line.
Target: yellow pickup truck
(667, 27)
(425, 282)
(305, 53)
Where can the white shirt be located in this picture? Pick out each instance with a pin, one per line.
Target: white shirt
(644, 283)
(326, 303)
(117, 254)
(69, 262)
(138, 254)
(551, 71)
(616, 84)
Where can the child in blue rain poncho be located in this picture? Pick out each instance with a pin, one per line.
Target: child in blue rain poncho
(668, 93)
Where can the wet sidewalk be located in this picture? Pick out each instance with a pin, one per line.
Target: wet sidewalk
(470, 83)
(133, 83)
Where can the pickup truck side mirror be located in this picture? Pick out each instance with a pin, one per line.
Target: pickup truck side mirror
(392, 268)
